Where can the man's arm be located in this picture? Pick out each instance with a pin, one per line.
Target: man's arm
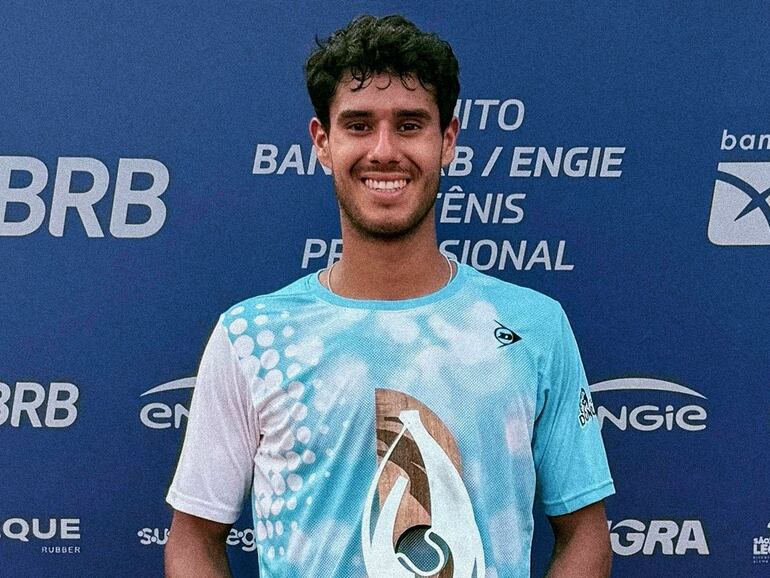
(582, 548)
(214, 473)
(196, 547)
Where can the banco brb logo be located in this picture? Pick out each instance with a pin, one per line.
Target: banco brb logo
(740, 208)
(29, 403)
(26, 200)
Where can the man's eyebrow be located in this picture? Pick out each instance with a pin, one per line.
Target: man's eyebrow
(352, 113)
(420, 113)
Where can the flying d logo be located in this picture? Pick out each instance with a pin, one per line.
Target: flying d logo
(424, 523)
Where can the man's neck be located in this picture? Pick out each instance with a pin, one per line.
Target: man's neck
(403, 268)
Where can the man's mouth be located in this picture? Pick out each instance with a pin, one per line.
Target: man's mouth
(393, 185)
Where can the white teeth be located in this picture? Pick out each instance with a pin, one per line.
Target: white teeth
(385, 185)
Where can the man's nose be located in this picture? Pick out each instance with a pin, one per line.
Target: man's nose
(385, 147)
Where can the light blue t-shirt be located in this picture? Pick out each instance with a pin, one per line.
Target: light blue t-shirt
(389, 439)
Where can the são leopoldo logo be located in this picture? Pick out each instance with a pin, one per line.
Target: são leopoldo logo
(762, 548)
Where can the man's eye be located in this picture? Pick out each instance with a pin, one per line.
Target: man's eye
(357, 126)
(409, 126)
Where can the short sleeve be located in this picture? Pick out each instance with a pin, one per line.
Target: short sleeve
(215, 469)
(570, 461)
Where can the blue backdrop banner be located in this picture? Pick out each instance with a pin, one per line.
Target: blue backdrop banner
(156, 168)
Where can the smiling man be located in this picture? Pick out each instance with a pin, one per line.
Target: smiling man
(398, 414)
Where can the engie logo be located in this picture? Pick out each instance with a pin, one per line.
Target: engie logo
(246, 539)
(629, 537)
(160, 415)
(645, 416)
(30, 209)
(740, 207)
(31, 403)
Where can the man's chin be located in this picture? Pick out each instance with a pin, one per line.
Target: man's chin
(385, 231)
(387, 225)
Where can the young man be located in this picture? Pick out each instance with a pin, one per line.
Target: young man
(397, 414)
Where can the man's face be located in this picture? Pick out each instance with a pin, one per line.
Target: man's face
(385, 148)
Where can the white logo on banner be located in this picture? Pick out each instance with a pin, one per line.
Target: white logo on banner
(483, 254)
(64, 197)
(740, 208)
(650, 417)
(160, 415)
(24, 530)
(33, 404)
(629, 537)
(762, 549)
(149, 536)
(245, 539)
(457, 206)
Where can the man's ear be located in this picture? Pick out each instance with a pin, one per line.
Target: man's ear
(449, 141)
(320, 139)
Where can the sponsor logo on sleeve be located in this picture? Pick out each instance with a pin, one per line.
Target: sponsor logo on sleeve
(586, 408)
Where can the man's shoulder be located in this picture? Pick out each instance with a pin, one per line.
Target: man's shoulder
(295, 294)
(511, 294)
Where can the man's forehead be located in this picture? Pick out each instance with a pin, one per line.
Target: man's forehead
(402, 92)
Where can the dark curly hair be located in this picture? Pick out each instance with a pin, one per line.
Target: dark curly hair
(391, 44)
